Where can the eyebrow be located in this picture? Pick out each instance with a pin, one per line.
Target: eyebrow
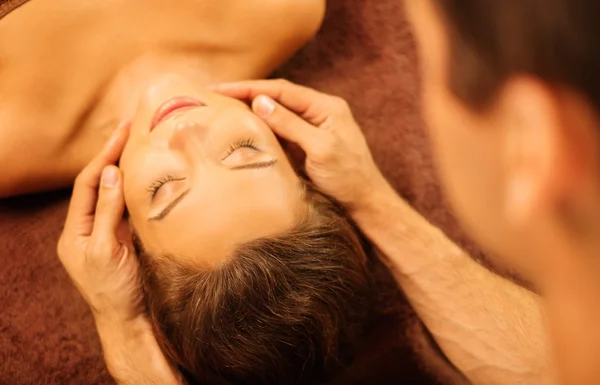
(169, 208)
(250, 166)
(254, 166)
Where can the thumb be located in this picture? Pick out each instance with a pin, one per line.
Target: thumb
(285, 123)
(109, 209)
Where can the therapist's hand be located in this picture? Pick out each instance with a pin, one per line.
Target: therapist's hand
(95, 246)
(97, 252)
(338, 160)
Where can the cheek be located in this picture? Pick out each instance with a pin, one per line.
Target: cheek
(452, 144)
(467, 153)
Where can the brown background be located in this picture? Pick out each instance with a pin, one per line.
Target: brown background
(364, 53)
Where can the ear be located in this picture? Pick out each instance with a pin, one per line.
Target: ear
(539, 160)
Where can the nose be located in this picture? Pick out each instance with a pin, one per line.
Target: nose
(189, 138)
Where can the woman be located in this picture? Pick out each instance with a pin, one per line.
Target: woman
(250, 275)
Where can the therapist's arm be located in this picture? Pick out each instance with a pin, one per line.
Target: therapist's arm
(133, 356)
(491, 329)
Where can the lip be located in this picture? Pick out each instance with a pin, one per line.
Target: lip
(171, 106)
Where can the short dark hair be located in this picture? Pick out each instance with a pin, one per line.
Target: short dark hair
(554, 40)
(286, 309)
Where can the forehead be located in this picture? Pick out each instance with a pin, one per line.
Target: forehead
(217, 217)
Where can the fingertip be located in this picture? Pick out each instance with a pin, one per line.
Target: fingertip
(110, 176)
(263, 106)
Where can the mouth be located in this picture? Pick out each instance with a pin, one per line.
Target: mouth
(172, 106)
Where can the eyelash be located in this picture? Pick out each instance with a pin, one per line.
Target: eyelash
(156, 185)
(248, 143)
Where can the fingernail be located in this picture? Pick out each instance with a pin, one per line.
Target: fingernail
(110, 177)
(264, 106)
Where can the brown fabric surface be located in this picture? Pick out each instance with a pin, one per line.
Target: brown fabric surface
(364, 53)
(7, 6)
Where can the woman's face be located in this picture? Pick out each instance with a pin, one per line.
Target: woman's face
(206, 178)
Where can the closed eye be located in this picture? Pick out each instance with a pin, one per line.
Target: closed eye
(244, 143)
(154, 188)
(251, 166)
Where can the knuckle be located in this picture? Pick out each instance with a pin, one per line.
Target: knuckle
(79, 179)
(339, 105)
(282, 82)
(324, 149)
(97, 249)
(105, 197)
(282, 85)
(82, 179)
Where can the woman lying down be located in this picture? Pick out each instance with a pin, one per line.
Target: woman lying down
(250, 275)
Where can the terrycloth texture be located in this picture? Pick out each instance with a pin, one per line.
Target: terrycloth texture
(364, 53)
(7, 6)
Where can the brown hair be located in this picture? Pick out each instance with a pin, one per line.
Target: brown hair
(491, 40)
(287, 309)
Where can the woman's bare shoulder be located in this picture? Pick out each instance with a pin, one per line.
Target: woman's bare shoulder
(292, 18)
(299, 20)
(269, 31)
(31, 158)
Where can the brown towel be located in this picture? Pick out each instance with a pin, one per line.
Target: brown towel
(7, 6)
(365, 53)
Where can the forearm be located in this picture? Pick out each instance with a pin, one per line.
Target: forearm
(133, 356)
(491, 329)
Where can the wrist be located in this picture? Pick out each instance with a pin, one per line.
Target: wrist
(405, 240)
(124, 342)
(122, 330)
(379, 199)
(132, 352)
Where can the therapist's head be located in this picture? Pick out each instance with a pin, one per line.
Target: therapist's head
(511, 95)
(250, 275)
